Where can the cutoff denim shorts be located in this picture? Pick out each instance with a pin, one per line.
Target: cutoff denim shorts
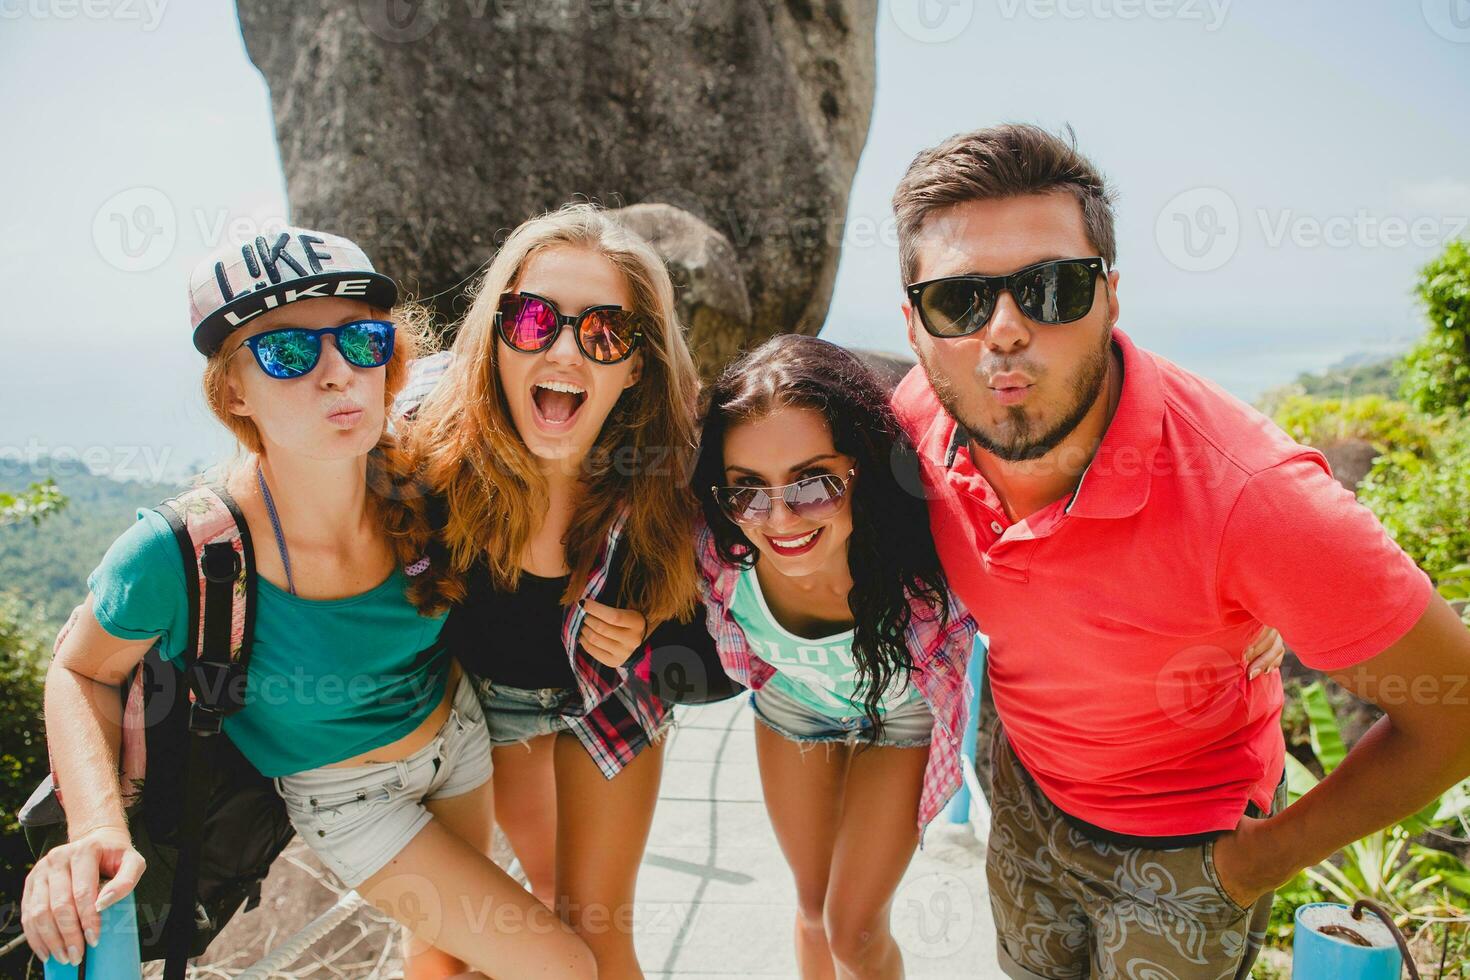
(909, 726)
(357, 818)
(519, 714)
(515, 715)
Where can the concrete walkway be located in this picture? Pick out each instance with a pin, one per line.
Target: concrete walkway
(715, 898)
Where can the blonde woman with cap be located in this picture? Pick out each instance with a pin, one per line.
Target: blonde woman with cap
(376, 744)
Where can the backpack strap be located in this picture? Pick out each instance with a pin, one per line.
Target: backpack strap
(214, 543)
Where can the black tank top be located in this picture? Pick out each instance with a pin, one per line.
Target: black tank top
(512, 638)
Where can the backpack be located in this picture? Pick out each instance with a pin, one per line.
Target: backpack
(206, 821)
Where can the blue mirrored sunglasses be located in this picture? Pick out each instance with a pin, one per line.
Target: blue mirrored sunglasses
(294, 351)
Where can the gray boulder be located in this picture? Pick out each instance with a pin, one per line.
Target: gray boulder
(428, 130)
(714, 303)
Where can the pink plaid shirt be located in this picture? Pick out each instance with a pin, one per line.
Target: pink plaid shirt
(941, 657)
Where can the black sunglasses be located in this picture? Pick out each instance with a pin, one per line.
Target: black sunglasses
(1058, 291)
(530, 324)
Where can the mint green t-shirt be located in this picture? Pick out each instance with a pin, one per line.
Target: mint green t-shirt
(819, 673)
(329, 678)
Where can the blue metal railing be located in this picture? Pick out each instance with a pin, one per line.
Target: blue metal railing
(958, 810)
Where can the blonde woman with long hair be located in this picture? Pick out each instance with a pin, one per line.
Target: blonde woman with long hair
(381, 757)
(554, 438)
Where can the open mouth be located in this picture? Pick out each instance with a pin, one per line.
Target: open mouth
(798, 544)
(557, 402)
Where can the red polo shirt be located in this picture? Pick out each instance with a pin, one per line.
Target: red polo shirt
(1118, 617)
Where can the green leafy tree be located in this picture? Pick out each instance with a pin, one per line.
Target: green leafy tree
(37, 501)
(1423, 498)
(1436, 372)
(24, 653)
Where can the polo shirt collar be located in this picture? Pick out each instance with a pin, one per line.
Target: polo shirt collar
(1116, 483)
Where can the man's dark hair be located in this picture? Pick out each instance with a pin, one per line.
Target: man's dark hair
(999, 162)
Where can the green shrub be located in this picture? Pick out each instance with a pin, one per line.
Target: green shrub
(1387, 424)
(1423, 500)
(1436, 373)
(25, 650)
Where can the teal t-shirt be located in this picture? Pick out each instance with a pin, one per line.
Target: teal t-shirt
(819, 673)
(329, 678)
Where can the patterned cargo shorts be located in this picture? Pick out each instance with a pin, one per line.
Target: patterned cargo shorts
(1067, 907)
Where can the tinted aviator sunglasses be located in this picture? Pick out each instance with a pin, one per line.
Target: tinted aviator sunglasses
(530, 324)
(1058, 291)
(814, 498)
(295, 351)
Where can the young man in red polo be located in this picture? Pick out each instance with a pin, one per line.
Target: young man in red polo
(1121, 528)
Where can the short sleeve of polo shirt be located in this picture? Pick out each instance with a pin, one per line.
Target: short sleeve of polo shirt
(1302, 555)
(138, 588)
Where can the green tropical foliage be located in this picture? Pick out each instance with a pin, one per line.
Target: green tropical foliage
(1436, 373)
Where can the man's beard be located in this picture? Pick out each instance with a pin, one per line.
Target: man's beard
(1018, 438)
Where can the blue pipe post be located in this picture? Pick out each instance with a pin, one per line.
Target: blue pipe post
(958, 809)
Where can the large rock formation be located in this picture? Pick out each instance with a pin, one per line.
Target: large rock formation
(426, 130)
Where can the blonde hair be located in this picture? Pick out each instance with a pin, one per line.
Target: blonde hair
(465, 445)
(401, 515)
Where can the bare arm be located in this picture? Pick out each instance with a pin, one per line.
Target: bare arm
(83, 732)
(1417, 751)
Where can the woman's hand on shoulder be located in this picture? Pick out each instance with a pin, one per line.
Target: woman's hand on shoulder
(611, 635)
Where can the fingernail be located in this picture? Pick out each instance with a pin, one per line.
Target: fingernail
(91, 937)
(103, 901)
(1255, 672)
(74, 956)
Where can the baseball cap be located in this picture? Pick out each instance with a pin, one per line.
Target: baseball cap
(249, 276)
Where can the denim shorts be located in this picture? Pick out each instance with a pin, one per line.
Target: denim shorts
(519, 714)
(905, 727)
(357, 818)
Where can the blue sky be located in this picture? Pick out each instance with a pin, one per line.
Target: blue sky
(1282, 170)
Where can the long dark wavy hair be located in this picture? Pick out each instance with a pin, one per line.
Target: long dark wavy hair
(891, 553)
